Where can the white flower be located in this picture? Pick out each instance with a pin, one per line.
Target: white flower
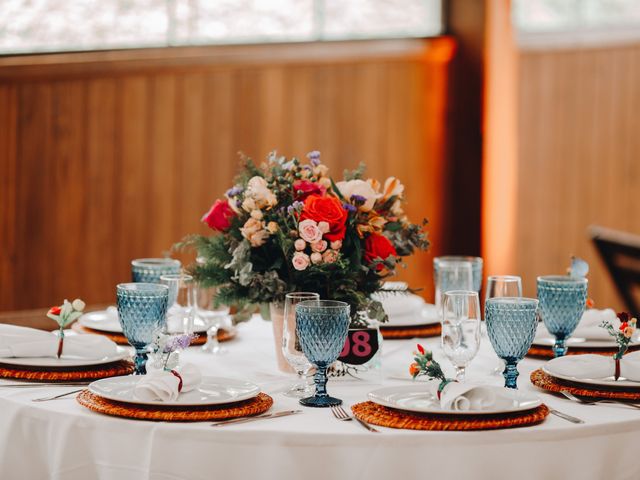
(392, 187)
(316, 258)
(272, 227)
(253, 230)
(360, 188)
(78, 305)
(300, 261)
(257, 191)
(324, 226)
(336, 244)
(309, 231)
(257, 214)
(300, 244)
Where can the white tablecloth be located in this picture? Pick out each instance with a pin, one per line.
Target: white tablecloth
(62, 440)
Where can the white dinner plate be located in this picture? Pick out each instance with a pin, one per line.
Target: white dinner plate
(107, 321)
(416, 398)
(66, 360)
(544, 339)
(427, 315)
(212, 391)
(608, 382)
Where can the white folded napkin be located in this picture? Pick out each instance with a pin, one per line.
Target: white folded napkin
(399, 306)
(466, 396)
(589, 326)
(18, 341)
(165, 386)
(595, 366)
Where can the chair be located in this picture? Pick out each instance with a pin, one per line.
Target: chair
(620, 252)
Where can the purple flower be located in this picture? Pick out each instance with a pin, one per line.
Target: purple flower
(295, 207)
(358, 199)
(349, 207)
(178, 342)
(314, 158)
(233, 191)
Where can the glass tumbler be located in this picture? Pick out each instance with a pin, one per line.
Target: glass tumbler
(291, 347)
(322, 327)
(142, 308)
(562, 302)
(182, 302)
(476, 268)
(460, 329)
(149, 270)
(451, 275)
(511, 325)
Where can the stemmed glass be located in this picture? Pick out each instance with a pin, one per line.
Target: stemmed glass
(502, 286)
(141, 310)
(182, 302)
(291, 347)
(452, 275)
(322, 327)
(214, 317)
(149, 270)
(562, 302)
(460, 328)
(511, 325)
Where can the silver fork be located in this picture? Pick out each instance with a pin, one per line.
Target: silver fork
(584, 401)
(341, 414)
(55, 397)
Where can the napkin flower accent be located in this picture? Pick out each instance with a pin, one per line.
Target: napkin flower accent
(424, 364)
(167, 347)
(622, 335)
(63, 315)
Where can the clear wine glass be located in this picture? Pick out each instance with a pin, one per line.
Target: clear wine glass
(291, 347)
(214, 317)
(460, 328)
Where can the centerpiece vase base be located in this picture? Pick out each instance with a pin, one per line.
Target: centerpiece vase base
(320, 402)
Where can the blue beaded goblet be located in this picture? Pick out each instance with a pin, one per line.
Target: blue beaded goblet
(562, 301)
(141, 309)
(511, 325)
(322, 327)
(149, 270)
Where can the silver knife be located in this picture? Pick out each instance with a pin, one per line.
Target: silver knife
(43, 385)
(257, 417)
(564, 416)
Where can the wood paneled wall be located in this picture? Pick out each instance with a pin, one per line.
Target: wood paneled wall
(578, 158)
(106, 157)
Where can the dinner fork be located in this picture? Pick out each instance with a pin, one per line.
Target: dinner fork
(584, 401)
(341, 414)
(55, 397)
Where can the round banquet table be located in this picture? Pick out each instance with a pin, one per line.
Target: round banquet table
(62, 440)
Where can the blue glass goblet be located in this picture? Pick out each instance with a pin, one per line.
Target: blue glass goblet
(562, 302)
(322, 327)
(511, 325)
(141, 309)
(149, 270)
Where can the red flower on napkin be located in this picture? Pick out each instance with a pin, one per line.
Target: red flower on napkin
(55, 310)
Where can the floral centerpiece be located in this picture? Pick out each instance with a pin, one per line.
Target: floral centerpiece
(286, 226)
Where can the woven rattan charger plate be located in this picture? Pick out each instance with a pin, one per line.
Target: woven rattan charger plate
(388, 417)
(547, 382)
(546, 352)
(94, 372)
(253, 406)
(402, 333)
(120, 339)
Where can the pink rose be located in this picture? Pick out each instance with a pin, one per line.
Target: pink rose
(330, 256)
(336, 244)
(324, 227)
(316, 258)
(219, 216)
(309, 231)
(300, 244)
(319, 246)
(300, 261)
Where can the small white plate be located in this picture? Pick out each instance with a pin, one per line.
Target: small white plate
(608, 382)
(427, 315)
(416, 398)
(544, 339)
(212, 391)
(107, 321)
(66, 360)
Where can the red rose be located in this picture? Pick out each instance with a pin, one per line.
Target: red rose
(326, 209)
(304, 188)
(55, 310)
(378, 246)
(219, 216)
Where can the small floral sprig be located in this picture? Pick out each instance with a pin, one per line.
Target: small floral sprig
(623, 334)
(424, 364)
(168, 346)
(63, 315)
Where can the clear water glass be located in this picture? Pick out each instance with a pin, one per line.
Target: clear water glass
(511, 325)
(503, 286)
(149, 270)
(451, 275)
(476, 268)
(460, 329)
(322, 327)
(142, 308)
(214, 317)
(291, 347)
(182, 302)
(562, 303)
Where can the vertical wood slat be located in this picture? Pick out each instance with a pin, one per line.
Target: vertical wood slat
(145, 154)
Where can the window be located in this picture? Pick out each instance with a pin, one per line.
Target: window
(28, 26)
